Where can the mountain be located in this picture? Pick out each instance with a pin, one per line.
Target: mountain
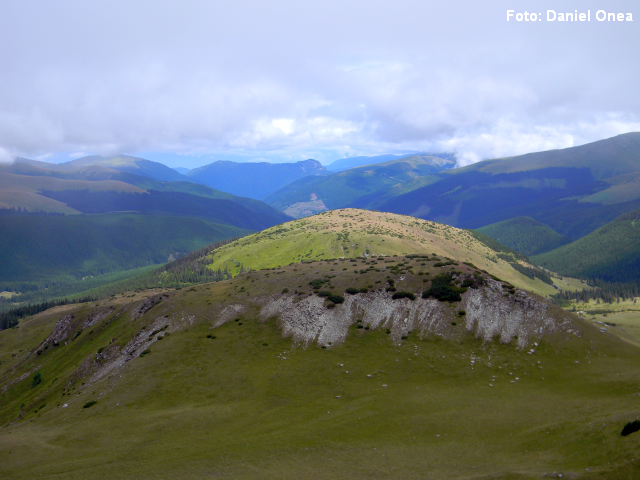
(182, 170)
(267, 376)
(126, 163)
(352, 162)
(573, 191)
(253, 180)
(610, 253)
(525, 235)
(361, 186)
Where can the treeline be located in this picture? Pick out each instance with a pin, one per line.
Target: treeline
(13, 212)
(11, 318)
(603, 292)
(533, 273)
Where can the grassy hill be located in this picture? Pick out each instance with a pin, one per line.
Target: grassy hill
(574, 190)
(525, 235)
(384, 179)
(218, 380)
(611, 253)
(352, 233)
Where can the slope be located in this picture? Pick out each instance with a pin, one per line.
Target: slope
(338, 190)
(253, 180)
(219, 380)
(42, 256)
(611, 253)
(352, 233)
(525, 235)
(559, 188)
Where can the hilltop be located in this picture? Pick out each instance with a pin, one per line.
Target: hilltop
(353, 233)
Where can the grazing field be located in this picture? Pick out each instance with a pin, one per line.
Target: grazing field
(207, 395)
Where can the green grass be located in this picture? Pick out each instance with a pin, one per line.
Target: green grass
(250, 404)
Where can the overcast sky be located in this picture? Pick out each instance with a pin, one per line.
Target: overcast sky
(191, 82)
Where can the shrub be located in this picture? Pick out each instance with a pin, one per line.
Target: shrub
(630, 427)
(453, 323)
(351, 291)
(388, 331)
(90, 403)
(145, 352)
(359, 326)
(101, 349)
(462, 313)
(408, 295)
(336, 298)
(364, 290)
(37, 379)
(442, 289)
(285, 290)
(331, 305)
(324, 293)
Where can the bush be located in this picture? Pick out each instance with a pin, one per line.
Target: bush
(408, 295)
(37, 379)
(285, 290)
(359, 326)
(462, 313)
(336, 298)
(442, 289)
(364, 290)
(145, 352)
(90, 403)
(351, 291)
(630, 427)
(324, 294)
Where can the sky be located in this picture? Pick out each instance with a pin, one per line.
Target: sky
(190, 82)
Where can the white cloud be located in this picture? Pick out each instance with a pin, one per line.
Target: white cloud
(292, 80)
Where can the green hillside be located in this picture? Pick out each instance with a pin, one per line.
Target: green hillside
(352, 233)
(611, 253)
(574, 190)
(42, 256)
(380, 180)
(525, 235)
(230, 380)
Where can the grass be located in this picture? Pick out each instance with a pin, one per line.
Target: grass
(354, 233)
(252, 404)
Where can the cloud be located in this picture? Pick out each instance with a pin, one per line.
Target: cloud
(292, 80)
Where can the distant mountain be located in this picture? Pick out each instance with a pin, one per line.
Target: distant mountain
(361, 186)
(610, 253)
(574, 190)
(525, 235)
(254, 180)
(126, 163)
(352, 162)
(182, 170)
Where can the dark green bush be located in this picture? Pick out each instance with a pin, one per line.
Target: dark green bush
(442, 289)
(285, 290)
(359, 326)
(145, 352)
(90, 403)
(324, 293)
(336, 298)
(364, 290)
(630, 427)
(408, 295)
(462, 313)
(37, 379)
(351, 291)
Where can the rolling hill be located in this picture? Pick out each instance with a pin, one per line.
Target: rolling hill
(352, 233)
(253, 180)
(266, 375)
(525, 235)
(574, 190)
(611, 253)
(361, 186)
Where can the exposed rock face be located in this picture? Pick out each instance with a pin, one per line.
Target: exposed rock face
(60, 332)
(146, 305)
(489, 313)
(95, 317)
